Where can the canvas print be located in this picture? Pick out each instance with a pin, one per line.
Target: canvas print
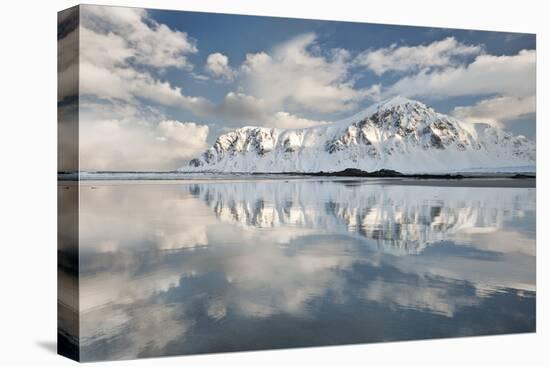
(234, 183)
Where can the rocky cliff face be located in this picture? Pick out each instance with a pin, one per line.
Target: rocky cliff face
(399, 134)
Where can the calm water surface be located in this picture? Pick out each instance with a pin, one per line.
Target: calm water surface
(171, 268)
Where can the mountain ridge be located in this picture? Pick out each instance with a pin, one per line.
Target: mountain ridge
(397, 134)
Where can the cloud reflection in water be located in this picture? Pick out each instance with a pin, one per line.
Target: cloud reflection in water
(179, 268)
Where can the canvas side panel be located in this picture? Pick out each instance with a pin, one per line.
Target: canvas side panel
(68, 330)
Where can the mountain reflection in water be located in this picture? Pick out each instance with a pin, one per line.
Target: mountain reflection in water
(184, 268)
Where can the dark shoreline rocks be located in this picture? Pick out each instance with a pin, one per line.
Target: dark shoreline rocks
(523, 175)
(388, 173)
(382, 173)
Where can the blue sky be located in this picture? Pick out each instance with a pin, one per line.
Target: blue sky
(175, 76)
(237, 35)
(248, 34)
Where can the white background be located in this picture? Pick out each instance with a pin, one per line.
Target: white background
(28, 181)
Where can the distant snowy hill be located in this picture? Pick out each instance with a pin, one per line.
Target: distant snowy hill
(398, 134)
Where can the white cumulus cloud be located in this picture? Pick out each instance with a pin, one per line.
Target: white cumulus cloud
(217, 65)
(496, 110)
(413, 58)
(123, 137)
(285, 120)
(511, 75)
(296, 77)
(114, 39)
(151, 43)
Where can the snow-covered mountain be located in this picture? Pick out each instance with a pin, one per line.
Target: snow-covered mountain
(398, 134)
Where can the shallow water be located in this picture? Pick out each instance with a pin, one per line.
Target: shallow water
(171, 268)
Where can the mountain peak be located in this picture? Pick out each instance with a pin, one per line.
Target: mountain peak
(394, 102)
(397, 100)
(385, 104)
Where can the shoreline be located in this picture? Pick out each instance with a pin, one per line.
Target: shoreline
(516, 180)
(349, 173)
